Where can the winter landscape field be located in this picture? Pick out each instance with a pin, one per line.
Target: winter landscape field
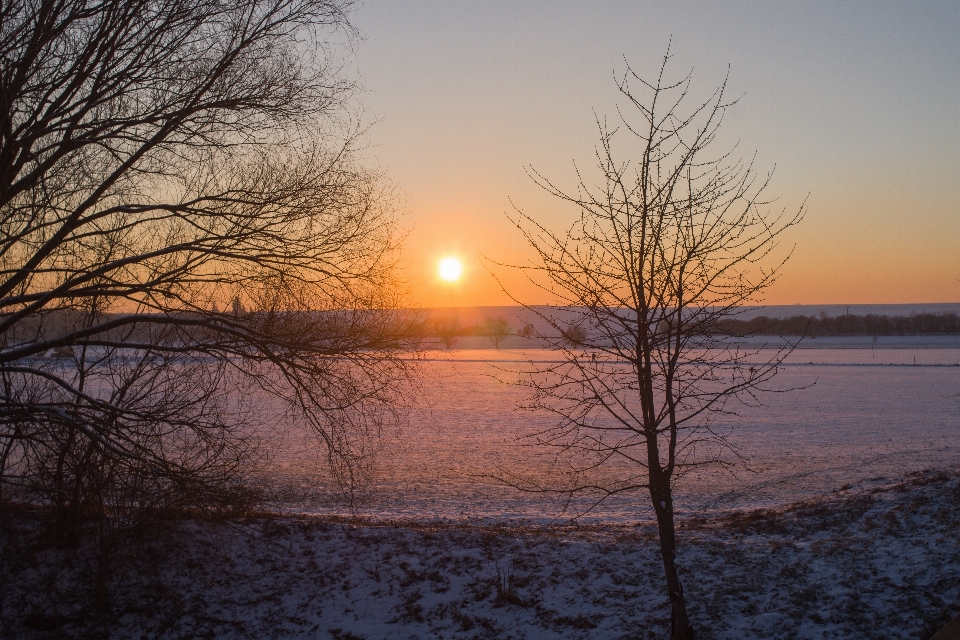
(839, 522)
(469, 320)
(841, 413)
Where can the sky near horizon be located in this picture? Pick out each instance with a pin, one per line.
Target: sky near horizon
(856, 104)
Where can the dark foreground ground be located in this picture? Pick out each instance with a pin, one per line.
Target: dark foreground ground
(881, 560)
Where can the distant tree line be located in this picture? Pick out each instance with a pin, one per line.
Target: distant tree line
(449, 329)
(443, 326)
(844, 325)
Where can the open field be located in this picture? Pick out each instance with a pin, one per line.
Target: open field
(853, 414)
(843, 524)
(873, 561)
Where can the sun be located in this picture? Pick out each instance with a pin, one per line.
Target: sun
(450, 269)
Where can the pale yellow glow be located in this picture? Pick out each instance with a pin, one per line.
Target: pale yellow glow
(450, 269)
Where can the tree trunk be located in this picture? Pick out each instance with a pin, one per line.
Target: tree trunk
(680, 628)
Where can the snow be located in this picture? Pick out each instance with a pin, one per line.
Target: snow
(845, 523)
(851, 415)
(873, 561)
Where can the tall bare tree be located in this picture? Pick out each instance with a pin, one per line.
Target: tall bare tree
(182, 217)
(669, 242)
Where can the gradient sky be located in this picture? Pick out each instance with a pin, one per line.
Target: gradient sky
(856, 103)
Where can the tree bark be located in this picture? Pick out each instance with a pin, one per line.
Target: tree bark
(660, 493)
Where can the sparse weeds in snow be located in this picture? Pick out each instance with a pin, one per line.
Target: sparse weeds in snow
(878, 561)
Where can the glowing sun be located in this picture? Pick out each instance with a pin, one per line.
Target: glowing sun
(450, 269)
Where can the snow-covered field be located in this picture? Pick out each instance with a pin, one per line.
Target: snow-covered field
(854, 414)
(880, 560)
(845, 523)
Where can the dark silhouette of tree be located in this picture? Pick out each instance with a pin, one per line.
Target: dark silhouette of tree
(447, 329)
(160, 161)
(496, 329)
(573, 335)
(670, 242)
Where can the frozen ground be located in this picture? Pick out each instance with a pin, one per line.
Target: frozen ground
(835, 529)
(878, 560)
(853, 414)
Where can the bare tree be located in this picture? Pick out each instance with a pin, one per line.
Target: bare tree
(447, 329)
(496, 329)
(160, 161)
(573, 335)
(669, 242)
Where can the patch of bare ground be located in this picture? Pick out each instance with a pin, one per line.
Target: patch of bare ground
(879, 560)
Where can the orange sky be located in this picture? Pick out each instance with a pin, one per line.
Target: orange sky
(854, 103)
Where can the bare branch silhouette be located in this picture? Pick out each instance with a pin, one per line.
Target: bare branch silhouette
(185, 231)
(670, 243)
